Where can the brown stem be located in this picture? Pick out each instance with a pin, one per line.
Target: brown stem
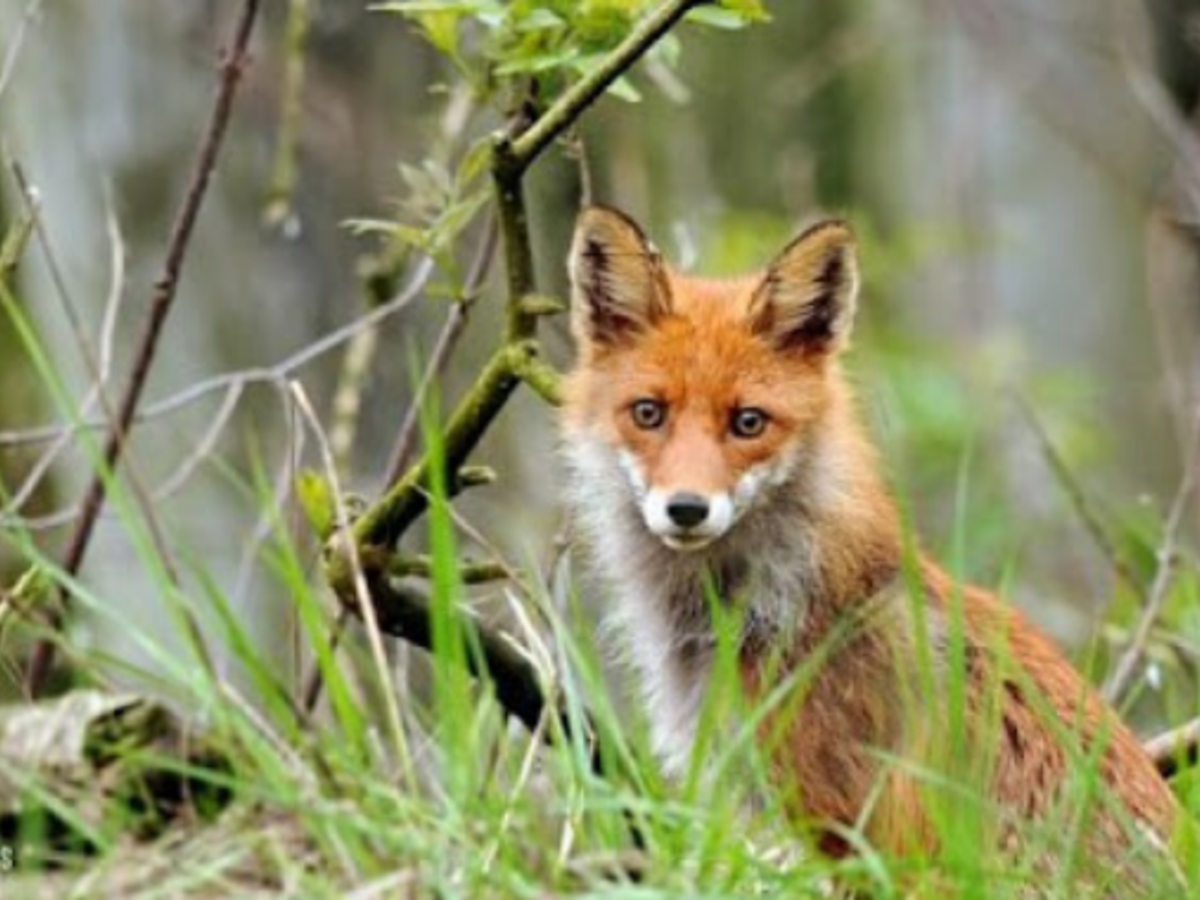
(405, 613)
(1176, 749)
(568, 108)
(447, 340)
(160, 305)
(1164, 574)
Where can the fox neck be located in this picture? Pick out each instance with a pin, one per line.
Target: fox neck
(821, 541)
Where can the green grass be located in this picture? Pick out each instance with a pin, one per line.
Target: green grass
(418, 785)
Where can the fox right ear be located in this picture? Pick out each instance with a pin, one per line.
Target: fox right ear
(618, 280)
(806, 300)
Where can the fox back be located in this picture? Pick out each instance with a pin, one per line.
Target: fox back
(712, 443)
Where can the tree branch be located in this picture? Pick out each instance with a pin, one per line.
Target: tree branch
(517, 359)
(1164, 574)
(160, 306)
(563, 113)
(447, 340)
(405, 613)
(384, 523)
(1176, 749)
(519, 356)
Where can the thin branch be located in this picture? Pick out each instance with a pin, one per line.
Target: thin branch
(563, 113)
(96, 364)
(310, 692)
(447, 340)
(519, 355)
(384, 523)
(1176, 749)
(14, 46)
(1078, 499)
(468, 572)
(405, 613)
(1126, 668)
(160, 305)
(108, 329)
(348, 396)
(291, 114)
(270, 375)
(352, 559)
(274, 513)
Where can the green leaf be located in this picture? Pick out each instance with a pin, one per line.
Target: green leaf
(623, 88)
(749, 10)
(441, 30)
(418, 7)
(539, 62)
(371, 226)
(475, 161)
(316, 497)
(540, 20)
(717, 17)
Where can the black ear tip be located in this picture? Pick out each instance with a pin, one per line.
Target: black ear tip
(830, 229)
(601, 215)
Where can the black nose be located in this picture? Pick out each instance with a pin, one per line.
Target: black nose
(687, 510)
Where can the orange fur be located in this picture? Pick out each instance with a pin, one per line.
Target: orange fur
(814, 555)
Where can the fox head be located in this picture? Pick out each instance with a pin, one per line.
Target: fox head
(703, 393)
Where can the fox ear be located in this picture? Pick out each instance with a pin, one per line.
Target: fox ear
(618, 281)
(806, 300)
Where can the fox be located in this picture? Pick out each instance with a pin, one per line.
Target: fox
(712, 439)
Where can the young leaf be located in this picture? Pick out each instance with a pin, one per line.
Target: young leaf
(316, 497)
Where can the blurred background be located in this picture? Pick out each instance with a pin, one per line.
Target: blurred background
(1024, 174)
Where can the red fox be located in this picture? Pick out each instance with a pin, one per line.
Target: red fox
(711, 438)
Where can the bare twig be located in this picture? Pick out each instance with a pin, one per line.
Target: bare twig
(384, 523)
(291, 113)
(269, 375)
(559, 117)
(160, 305)
(1078, 499)
(1164, 574)
(310, 692)
(447, 339)
(108, 329)
(14, 45)
(519, 355)
(97, 364)
(352, 560)
(348, 396)
(1176, 749)
(405, 613)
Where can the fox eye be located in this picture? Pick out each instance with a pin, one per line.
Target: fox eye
(748, 422)
(648, 414)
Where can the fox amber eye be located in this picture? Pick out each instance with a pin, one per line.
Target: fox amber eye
(648, 414)
(748, 422)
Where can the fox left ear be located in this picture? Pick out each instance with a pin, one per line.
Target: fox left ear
(619, 283)
(806, 301)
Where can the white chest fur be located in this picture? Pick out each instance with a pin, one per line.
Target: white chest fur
(660, 608)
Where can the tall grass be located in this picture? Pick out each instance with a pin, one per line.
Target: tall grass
(464, 803)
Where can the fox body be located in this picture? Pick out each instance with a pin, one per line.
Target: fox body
(711, 440)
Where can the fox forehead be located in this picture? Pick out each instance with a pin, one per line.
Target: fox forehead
(702, 359)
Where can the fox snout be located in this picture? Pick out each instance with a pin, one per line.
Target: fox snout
(687, 520)
(687, 510)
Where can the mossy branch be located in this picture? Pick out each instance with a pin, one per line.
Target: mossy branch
(517, 359)
(568, 108)
(406, 614)
(1175, 750)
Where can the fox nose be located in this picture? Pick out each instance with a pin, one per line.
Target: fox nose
(687, 510)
